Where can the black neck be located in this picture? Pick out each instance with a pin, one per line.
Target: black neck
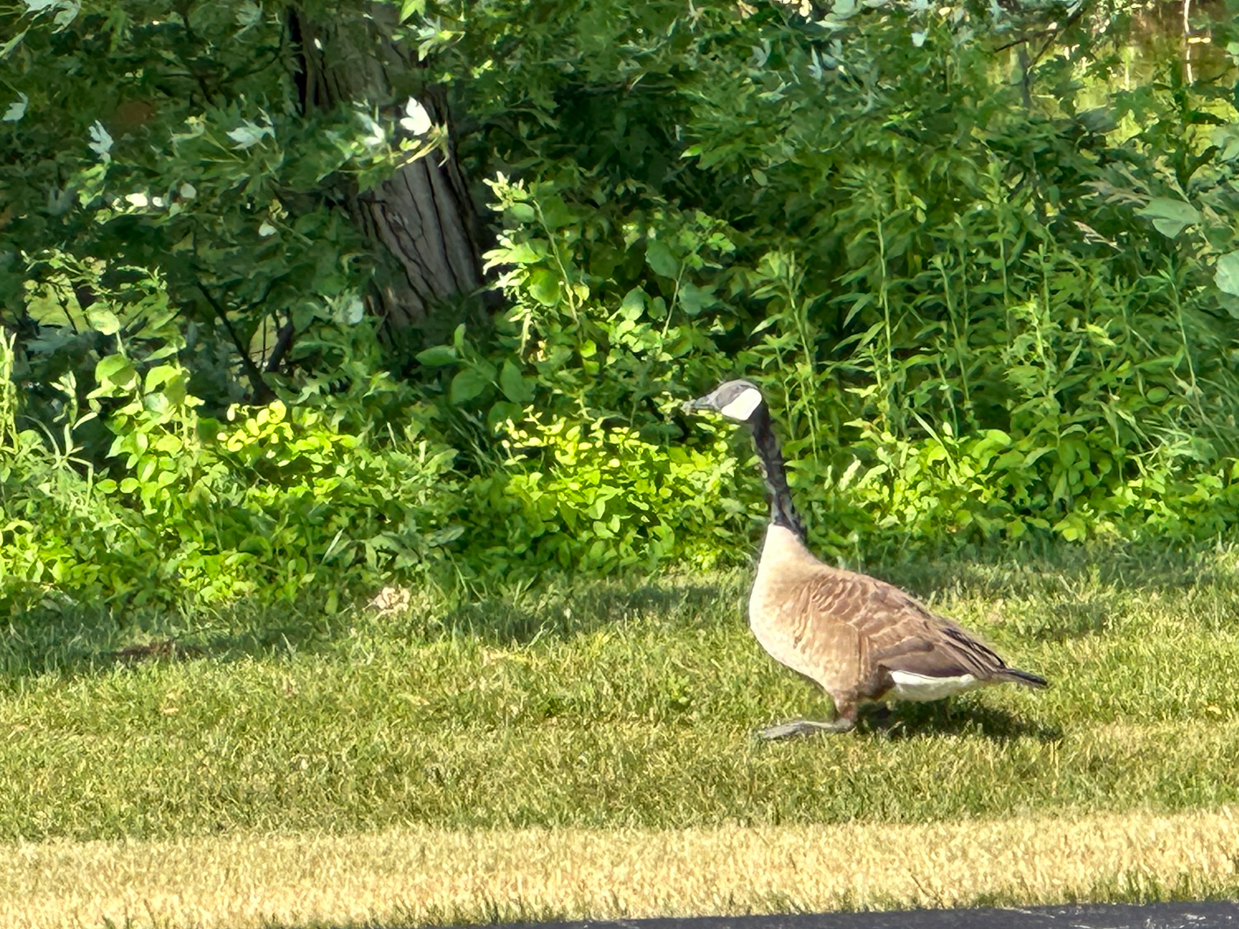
(782, 510)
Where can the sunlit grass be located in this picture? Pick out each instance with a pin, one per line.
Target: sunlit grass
(426, 876)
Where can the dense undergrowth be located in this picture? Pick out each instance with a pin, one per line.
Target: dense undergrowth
(992, 296)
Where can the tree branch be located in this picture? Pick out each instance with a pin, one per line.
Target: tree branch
(262, 394)
(283, 342)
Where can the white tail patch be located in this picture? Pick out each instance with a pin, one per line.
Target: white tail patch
(909, 686)
(743, 406)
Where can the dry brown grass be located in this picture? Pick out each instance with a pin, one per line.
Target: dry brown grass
(435, 876)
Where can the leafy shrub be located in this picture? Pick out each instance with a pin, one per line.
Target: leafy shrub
(598, 500)
(190, 508)
(271, 499)
(991, 297)
(955, 300)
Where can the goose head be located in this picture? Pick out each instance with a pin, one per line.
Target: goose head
(737, 400)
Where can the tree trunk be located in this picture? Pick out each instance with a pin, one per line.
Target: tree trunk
(422, 216)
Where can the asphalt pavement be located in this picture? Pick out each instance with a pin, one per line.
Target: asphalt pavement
(1089, 916)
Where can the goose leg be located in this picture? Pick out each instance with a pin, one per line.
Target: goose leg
(804, 727)
(846, 708)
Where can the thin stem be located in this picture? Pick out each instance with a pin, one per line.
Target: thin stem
(961, 345)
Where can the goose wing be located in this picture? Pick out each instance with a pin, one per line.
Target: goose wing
(901, 634)
(918, 641)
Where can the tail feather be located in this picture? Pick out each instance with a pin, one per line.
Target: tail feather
(1021, 677)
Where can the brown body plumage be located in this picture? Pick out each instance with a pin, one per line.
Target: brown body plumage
(861, 639)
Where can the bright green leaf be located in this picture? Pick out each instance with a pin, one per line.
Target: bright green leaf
(115, 371)
(103, 320)
(1170, 217)
(523, 253)
(544, 286)
(522, 212)
(1227, 276)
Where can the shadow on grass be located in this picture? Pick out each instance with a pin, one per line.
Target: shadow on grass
(1074, 591)
(1066, 593)
(67, 639)
(947, 717)
(562, 611)
(1067, 570)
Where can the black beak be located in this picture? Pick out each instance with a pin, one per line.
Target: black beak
(696, 406)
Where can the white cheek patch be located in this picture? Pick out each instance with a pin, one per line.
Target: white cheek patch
(910, 686)
(743, 406)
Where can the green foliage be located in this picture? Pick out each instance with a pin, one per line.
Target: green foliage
(164, 136)
(599, 500)
(189, 508)
(992, 294)
(911, 253)
(275, 499)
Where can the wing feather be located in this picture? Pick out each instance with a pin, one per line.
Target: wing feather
(898, 632)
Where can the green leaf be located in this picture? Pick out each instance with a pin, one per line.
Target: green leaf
(115, 371)
(522, 212)
(103, 320)
(159, 375)
(660, 259)
(1224, 137)
(513, 383)
(16, 110)
(633, 304)
(13, 43)
(544, 286)
(1170, 217)
(1072, 528)
(555, 213)
(1227, 276)
(467, 384)
(500, 412)
(694, 299)
(522, 253)
(437, 356)
(249, 134)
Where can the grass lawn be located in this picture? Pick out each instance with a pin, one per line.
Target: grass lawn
(444, 764)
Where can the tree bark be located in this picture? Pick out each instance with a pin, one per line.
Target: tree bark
(422, 216)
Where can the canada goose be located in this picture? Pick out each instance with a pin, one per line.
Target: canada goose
(861, 639)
